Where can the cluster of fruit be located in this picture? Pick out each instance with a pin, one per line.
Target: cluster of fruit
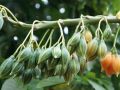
(66, 60)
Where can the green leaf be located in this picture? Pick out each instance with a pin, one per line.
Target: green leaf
(95, 85)
(32, 85)
(108, 84)
(13, 84)
(50, 81)
(1, 20)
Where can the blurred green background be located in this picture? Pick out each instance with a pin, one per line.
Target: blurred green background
(30, 10)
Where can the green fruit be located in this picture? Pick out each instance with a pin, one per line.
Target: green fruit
(20, 72)
(31, 62)
(26, 54)
(45, 55)
(107, 32)
(65, 56)
(73, 65)
(102, 49)
(37, 73)
(82, 47)
(27, 76)
(6, 67)
(73, 42)
(37, 53)
(51, 63)
(83, 64)
(68, 76)
(72, 69)
(17, 67)
(58, 69)
(56, 52)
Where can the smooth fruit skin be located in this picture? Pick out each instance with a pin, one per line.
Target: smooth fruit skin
(56, 52)
(92, 47)
(88, 36)
(73, 42)
(110, 71)
(116, 65)
(108, 64)
(102, 49)
(107, 32)
(82, 47)
(106, 61)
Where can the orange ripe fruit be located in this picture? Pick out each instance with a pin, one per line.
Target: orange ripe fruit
(109, 71)
(106, 61)
(116, 65)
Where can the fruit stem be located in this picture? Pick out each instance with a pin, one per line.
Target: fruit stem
(61, 31)
(114, 50)
(4, 12)
(83, 25)
(32, 29)
(49, 38)
(17, 50)
(22, 43)
(76, 30)
(114, 44)
(58, 41)
(106, 20)
(99, 29)
(43, 37)
(10, 13)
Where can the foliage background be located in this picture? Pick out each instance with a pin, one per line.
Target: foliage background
(30, 10)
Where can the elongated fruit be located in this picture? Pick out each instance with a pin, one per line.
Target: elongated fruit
(73, 42)
(56, 52)
(26, 54)
(6, 66)
(88, 36)
(82, 47)
(47, 53)
(92, 47)
(102, 49)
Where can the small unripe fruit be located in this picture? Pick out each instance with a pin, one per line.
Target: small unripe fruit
(65, 56)
(6, 67)
(25, 54)
(27, 76)
(56, 52)
(47, 53)
(107, 32)
(82, 47)
(73, 42)
(102, 49)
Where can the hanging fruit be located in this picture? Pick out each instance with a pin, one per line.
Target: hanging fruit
(49, 58)
(92, 47)
(82, 47)
(88, 36)
(102, 49)
(73, 42)
(116, 65)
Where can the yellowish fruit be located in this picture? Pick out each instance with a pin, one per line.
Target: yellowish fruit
(88, 36)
